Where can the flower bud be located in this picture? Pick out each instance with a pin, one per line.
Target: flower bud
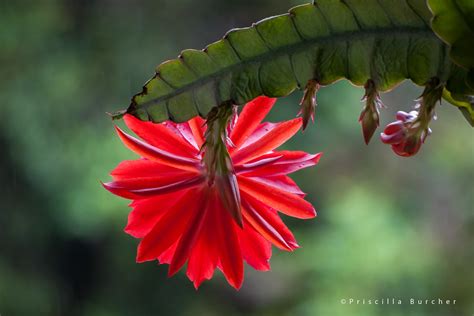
(308, 102)
(409, 132)
(403, 134)
(369, 117)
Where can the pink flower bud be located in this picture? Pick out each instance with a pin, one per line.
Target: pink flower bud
(406, 135)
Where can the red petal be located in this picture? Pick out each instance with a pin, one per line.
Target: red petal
(184, 130)
(147, 212)
(282, 182)
(268, 224)
(255, 249)
(191, 233)
(167, 255)
(289, 162)
(154, 182)
(197, 128)
(168, 229)
(135, 194)
(147, 151)
(259, 132)
(271, 140)
(160, 136)
(230, 256)
(202, 261)
(250, 117)
(144, 168)
(204, 256)
(287, 203)
(259, 162)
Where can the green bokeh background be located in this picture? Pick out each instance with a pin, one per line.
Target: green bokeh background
(388, 227)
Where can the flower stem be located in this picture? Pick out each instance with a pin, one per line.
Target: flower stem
(220, 170)
(428, 100)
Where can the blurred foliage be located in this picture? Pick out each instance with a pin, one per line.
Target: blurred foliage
(387, 226)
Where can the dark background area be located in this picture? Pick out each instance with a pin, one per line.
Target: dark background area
(388, 227)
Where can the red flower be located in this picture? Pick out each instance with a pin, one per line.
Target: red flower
(406, 135)
(217, 206)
